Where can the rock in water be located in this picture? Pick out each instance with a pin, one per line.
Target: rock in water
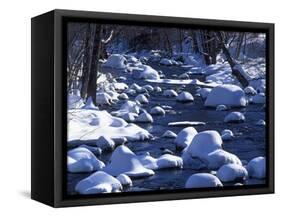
(169, 134)
(226, 94)
(130, 116)
(125, 180)
(202, 180)
(105, 143)
(170, 93)
(99, 182)
(250, 90)
(227, 135)
(124, 161)
(185, 97)
(258, 99)
(221, 108)
(257, 168)
(123, 96)
(157, 110)
(234, 117)
(261, 122)
(144, 118)
(232, 172)
(141, 99)
(185, 137)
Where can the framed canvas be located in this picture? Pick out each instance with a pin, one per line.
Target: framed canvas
(133, 108)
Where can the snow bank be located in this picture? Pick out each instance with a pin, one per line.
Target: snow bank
(99, 182)
(157, 110)
(257, 168)
(234, 117)
(232, 172)
(185, 137)
(116, 61)
(227, 94)
(185, 97)
(202, 180)
(124, 161)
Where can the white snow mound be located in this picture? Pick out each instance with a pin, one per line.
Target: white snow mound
(257, 168)
(202, 180)
(232, 172)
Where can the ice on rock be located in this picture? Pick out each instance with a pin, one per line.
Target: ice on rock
(258, 99)
(185, 97)
(90, 105)
(250, 90)
(234, 117)
(232, 172)
(169, 161)
(103, 98)
(129, 117)
(257, 168)
(141, 98)
(94, 150)
(105, 143)
(116, 61)
(227, 94)
(148, 87)
(125, 180)
(227, 135)
(166, 62)
(204, 92)
(82, 160)
(202, 180)
(169, 134)
(170, 93)
(124, 161)
(261, 122)
(99, 182)
(221, 108)
(157, 110)
(144, 118)
(123, 96)
(185, 137)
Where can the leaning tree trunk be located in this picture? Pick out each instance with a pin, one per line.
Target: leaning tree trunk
(92, 85)
(235, 70)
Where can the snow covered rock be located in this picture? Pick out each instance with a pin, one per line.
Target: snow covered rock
(260, 123)
(129, 117)
(144, 118)
(169, 134)
(94, 150)
(257, 168)
(103, 98)
(116, 61)
(258, 99)
(250, 90)
(90, 105)
(185, 97)
(146, 72)
(123, 96)
(141, 99)
(185, 137)
(125, 180)
(169, 161)
(82, 160)
(204, 92)
(157, 110)
(127, 107)
(227, 94)
(131, 92)
(227, 135)
(232, 172)
(202, 180)
(148, 87)
(221, 108)
(119, 86)
(124, 161)
(99, 182)
(184, 76)
(234, 117)
(157, 89)
(170, 93)
(166, 62)
(105, 143)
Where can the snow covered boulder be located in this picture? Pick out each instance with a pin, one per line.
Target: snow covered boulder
(116, 61)
(82, 160)
(127, 107)
(202, 180)
(125, 180)
(185, 97)
(124, 161)
(260, 122)
(131, 92)
(169, 161)
(157, 89)
(99, 182)
(232, 172)
(123, 96)
(157, 110)
(169, 134)
(184, 76)
(185, 137)
(148, 161)
(257, 168)
(148, 87)
(166, 62)
(105, 143)
(129, 117)
(103, 98)
(221, 108)
(204, 92)
(250, 90)
(144, 118)
(227, 94)
(118, 86)
(145, 72)
(234, 117)
(170, 93)
(95, 150)
(258, 99)
(141, 99)
(227, 135)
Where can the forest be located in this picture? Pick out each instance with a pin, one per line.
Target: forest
(161, 108)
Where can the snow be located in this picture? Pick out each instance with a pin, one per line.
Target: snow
(74, 101)
(123, 96)
(185, 137)
(124, 180)
(258, 99)
(145, 72)
(131, 92)
(119, 86)
(261, 122)
(82, 160)
(124, 161)
(185, 97)
(202, 180)
(94, 150)
(232, 172)
(227, 135)
(220, 157)
(227, 94)
(89, 125)
(257, 168)
(250, 90)
(166, 62)
(116, 61)
(144, 118)
(221, 108)
(157, 110)
(105, 143)
(99, 182)
(129, 117)
(169, 134)
(127, 107)
(103, 98)
(148, 87)
(204, 92)
(184, 76)
(90, 105)
(141, 99)
(157, 89)
(187, 123)
(170, 93)
(234, 117)
(182, 81)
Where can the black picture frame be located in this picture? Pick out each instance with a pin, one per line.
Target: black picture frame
(49, 117)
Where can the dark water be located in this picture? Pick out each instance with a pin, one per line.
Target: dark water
(249, 141)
